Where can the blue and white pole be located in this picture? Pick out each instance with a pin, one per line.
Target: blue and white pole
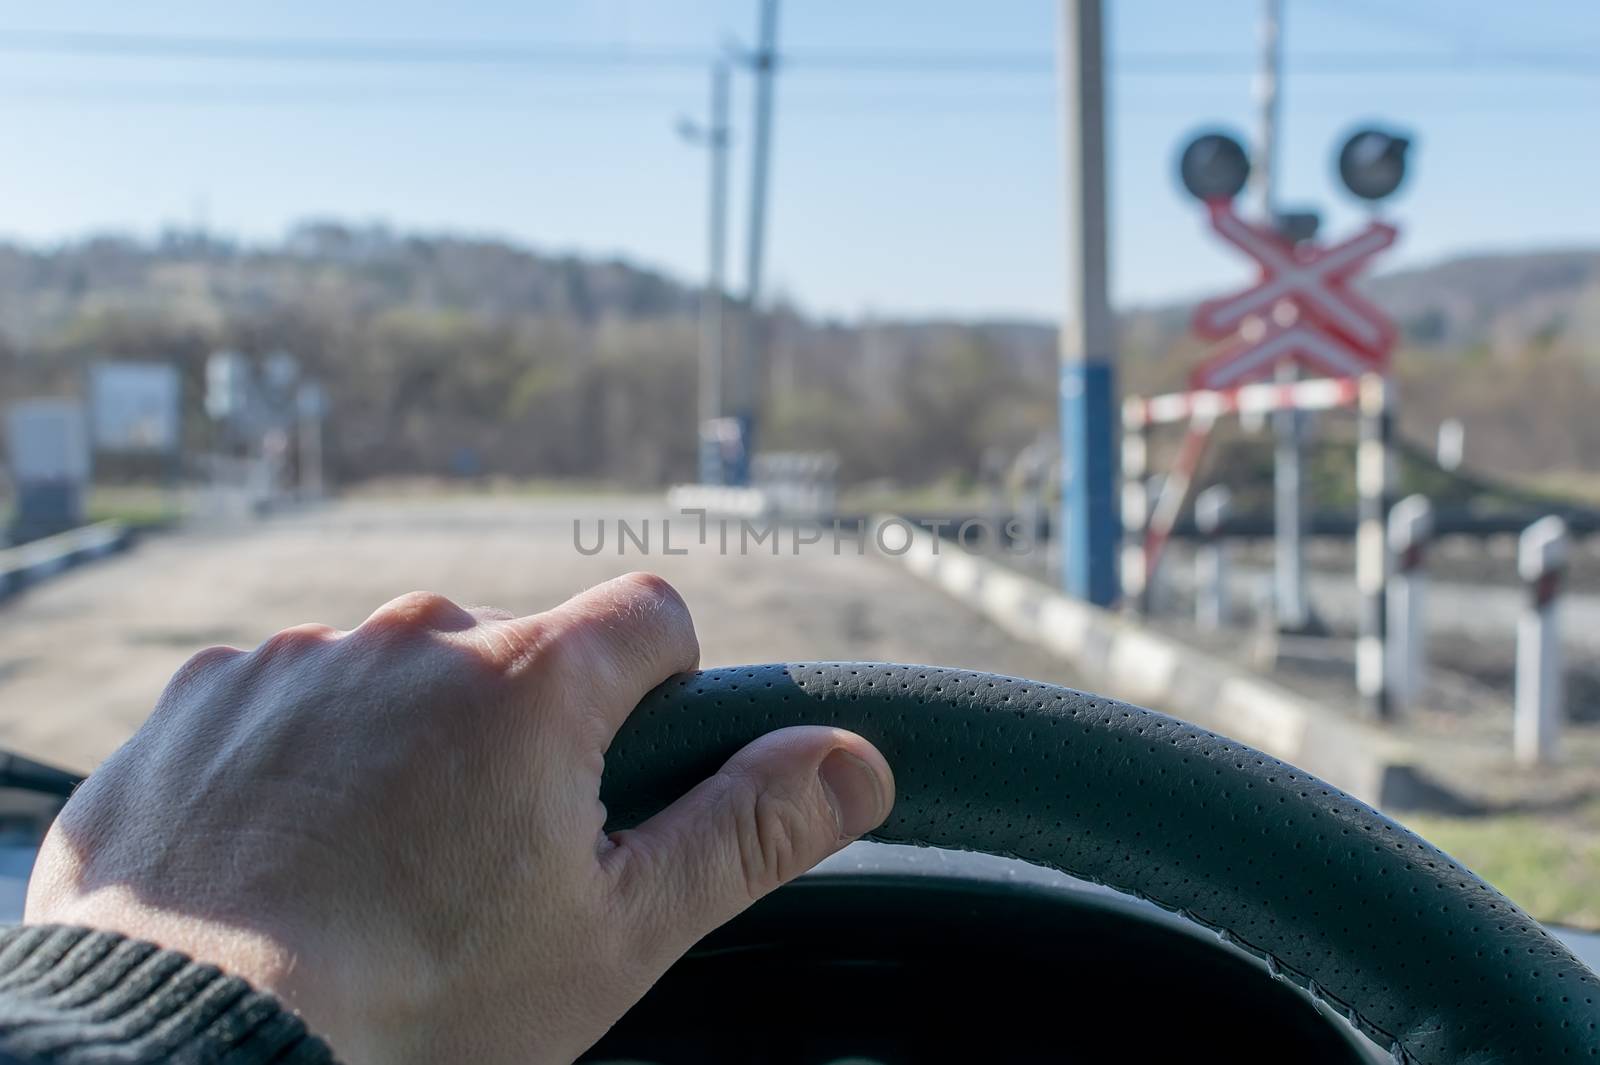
(1090, 526)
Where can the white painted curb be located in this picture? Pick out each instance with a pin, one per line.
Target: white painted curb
(720, 499)
(32, 562)
(1125, 660)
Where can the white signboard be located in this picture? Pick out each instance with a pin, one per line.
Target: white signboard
(228, 385)
(134, 406)
(47, 440)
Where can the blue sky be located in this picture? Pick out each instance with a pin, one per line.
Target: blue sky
(894, 193)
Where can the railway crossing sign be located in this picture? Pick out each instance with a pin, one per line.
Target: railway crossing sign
(1301, 310)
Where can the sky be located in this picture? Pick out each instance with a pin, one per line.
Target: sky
(896, 189)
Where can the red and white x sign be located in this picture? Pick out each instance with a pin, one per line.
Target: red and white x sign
(1304, 345)
(1301, 308)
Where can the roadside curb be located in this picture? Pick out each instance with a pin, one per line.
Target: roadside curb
(719, 499)
(1122, 658)
(27, 564)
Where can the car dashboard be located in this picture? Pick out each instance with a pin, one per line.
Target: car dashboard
(889, 954)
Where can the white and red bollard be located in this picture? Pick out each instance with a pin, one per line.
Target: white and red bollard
(1541, 563)
(1210, 558)
(1135, 506)
(1410, 529)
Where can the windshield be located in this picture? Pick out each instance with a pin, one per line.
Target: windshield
(1237, 360)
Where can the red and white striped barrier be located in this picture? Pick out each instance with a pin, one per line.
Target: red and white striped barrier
(1319, 393)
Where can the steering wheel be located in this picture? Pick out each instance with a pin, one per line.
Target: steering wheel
(1417, 952)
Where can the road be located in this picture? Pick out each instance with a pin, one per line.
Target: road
(84, 655)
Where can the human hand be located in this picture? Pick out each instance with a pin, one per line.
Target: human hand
(398, 831)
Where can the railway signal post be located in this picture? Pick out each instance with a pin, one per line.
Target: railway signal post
(1302, 315)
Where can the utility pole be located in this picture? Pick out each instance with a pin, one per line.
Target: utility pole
(311, 412)
(764, 62)
(1090, 527)
(1263, 172)
(714, 138)
(1289, 496)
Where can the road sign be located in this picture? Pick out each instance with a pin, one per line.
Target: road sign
(1301, 309)
(229, 385)
(133, 406)
(1255, 358)
(47, 440)
(47, 450)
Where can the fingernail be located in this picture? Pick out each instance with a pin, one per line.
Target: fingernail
(854, 792)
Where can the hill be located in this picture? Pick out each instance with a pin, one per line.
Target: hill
(448, 353)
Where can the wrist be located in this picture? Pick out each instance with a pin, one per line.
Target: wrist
(262, 959)
(204, 1011)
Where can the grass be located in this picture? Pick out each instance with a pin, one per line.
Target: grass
(134, 506)
(1582, 486)
(1551, 868)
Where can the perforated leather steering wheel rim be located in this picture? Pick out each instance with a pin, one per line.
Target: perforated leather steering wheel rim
(1418, 952)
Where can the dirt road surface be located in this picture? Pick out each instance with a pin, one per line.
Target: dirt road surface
(84, 655)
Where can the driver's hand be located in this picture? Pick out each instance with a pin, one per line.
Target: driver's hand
(397, 829)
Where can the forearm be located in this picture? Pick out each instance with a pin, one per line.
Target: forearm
(73, 996)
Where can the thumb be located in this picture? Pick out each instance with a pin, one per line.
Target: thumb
(778, 807)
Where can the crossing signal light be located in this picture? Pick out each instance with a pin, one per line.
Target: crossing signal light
(1214, 166)
(1372, 163)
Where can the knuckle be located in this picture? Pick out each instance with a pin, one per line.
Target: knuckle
(638, 622)
(204, 664)
(654, 592)
(297, 639)
(515, 645)
(420, 611)
(527, 642)
(774, 837)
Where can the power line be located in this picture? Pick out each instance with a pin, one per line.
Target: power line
(841, 104)
(579, 57)
(1198, 62)
(345, 50)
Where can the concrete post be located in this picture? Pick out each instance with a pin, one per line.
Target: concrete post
(1211, 560)
(1541, 560)
(744, 387)
(1410, 529)
(1089, 526)
(713, 301)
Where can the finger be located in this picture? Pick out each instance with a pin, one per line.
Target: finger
(779, 806)
(617, 641)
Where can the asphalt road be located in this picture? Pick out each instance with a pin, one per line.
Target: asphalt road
(84, 655)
